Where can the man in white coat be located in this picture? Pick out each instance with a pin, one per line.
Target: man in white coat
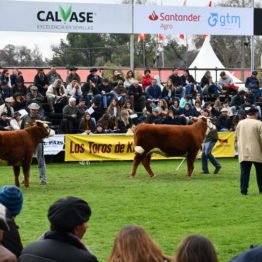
(249, 142)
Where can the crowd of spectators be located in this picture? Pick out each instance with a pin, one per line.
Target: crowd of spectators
(63, 241)
(116, 104)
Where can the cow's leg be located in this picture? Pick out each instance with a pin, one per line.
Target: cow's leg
(16, 173)
(146, 164)
(191, 156)
(26, 167)
(138, 158)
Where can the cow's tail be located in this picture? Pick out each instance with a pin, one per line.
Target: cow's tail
(139, 150)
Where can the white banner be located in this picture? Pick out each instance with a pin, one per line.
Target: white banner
(53, 145)
(193, 20)
(65, 17)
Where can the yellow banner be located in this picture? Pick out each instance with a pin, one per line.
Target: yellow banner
(121, 147)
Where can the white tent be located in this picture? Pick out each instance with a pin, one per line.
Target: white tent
(206, 58)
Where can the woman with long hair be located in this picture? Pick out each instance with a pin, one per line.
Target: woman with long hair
(87, 124)
(169, 91)
(129, 79)
(114, 108)
(133, 244)
(196, 248)
(124, 123)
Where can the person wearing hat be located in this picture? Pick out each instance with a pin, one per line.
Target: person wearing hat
(154, 117)
(248, 139)
(16, 121)
(73, 75)
(224, 121)
(12, 198)
(33, 116)
(4, 122)
(94, 74)
(52, 75)
(41, 81)
(68, 219)
(253, 83)
(5, 254)
(33, 96)
(19, 87)
(7, 107)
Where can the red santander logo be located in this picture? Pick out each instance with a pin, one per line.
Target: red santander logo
(153, 16)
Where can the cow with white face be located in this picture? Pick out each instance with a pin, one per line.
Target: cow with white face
(208, 144)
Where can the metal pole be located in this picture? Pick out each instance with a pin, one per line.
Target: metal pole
(132, 42)
(252, 46)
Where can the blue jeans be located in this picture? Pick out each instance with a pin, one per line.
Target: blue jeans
(106, 100)
(245, 167)
(213, 89)
(189, 90)
(207, 154)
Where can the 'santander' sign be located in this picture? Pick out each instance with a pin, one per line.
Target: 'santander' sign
(193, 20)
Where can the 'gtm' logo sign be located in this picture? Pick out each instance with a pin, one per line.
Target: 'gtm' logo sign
(153, 16)
(223, 20)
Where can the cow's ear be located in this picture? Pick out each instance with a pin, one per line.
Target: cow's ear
(30, 123)
(38, 123)
(194, 119)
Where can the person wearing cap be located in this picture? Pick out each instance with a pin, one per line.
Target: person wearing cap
(224, 121)
(248, 139)
(52, 75)
(7, 107)
(12, 198)
(41, 81)
(33, 116)
(34, 96)
(16, 121)
(56, 93)
(154, 117)
(19, 87)
(73, 75)
(94, 74)
(68, 219)
(5, 254)
(4, 122)
(253, 83)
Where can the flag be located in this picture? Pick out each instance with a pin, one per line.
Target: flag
(210, 5)
(160, 37)
(141, 37)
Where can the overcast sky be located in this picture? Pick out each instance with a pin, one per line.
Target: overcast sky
(45, 40)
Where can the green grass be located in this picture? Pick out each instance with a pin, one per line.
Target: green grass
(169, 207)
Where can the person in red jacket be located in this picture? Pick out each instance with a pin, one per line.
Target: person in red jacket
(146, 79)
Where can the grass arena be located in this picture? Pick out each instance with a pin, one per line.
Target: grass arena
(170, 206)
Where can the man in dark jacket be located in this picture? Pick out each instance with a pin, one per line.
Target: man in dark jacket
(253, 83)
(68, 218)
(41, 81)
(137, 96)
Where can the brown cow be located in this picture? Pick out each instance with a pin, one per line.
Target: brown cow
(17, 147)
(170, 141)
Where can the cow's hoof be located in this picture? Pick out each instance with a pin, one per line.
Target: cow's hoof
(153, 176)
(132, 177)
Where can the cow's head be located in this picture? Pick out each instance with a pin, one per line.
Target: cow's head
(44, 125)
(210, 125)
